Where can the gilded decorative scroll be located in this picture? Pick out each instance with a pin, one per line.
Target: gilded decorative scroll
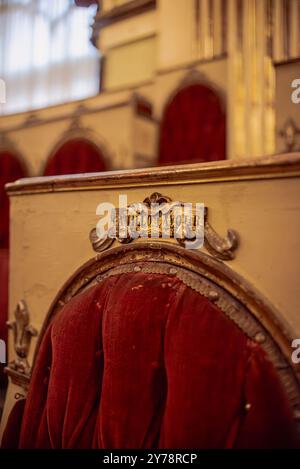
(19, 368)
(219, 247)
(290, 133)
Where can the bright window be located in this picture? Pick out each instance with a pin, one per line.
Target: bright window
(46, 56)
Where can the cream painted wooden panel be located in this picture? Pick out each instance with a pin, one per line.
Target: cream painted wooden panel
(145, 141)
(130, 64)
(128, 30)
(49, 240)
(99, 102)
(112, 124)
(176, 26)
(36, 143)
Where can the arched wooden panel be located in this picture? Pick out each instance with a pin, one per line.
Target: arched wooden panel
(193, 127)
(74, 157)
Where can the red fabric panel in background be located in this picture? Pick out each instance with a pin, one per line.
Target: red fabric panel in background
(74, 157)
(193, 127)
(143, 361)
(10, 170)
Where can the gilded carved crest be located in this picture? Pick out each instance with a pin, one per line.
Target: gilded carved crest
(23, 331)
(219, 247)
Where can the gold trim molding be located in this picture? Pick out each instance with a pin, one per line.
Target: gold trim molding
(275, 166)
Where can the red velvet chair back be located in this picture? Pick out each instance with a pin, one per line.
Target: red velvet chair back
(75, 156)
(193, 127)
(148, 354)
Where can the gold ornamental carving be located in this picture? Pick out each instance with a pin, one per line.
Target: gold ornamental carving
(19, 369)
(222, 248)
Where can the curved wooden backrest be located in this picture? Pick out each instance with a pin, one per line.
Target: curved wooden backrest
(239, 301)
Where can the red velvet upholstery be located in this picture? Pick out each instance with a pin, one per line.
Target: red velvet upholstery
(12, 432)
(75, 156)
(193, 127)
(143, 361)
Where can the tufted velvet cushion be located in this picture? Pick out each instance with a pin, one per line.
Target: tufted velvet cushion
(143, 361)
